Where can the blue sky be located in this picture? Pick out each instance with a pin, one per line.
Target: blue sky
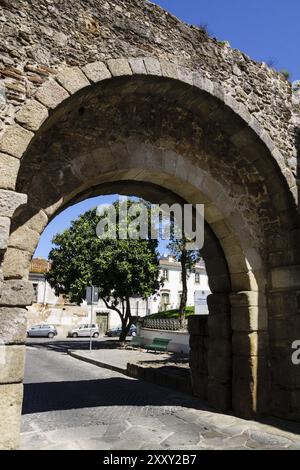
(263, 29)
(266, 30)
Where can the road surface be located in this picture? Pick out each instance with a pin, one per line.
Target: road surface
(69, 404)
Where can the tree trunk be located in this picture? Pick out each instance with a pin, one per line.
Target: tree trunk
(126, 323)
(183, 301)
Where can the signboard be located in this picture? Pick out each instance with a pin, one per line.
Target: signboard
(201, 307)
(92, 295)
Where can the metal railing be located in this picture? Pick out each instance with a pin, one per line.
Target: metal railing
(170, 324)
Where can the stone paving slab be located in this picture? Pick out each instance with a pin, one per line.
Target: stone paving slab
(125, 413)
(117, 359)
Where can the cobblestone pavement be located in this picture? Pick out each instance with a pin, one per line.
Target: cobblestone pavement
(69, 404)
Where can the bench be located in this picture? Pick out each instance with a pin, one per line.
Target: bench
(136, 342)
(159, 344)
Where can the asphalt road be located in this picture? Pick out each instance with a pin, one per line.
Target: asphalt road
(69, 404)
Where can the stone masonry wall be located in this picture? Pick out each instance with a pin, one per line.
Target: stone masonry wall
(37, 37)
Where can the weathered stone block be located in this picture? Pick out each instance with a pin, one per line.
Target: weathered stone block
(285, 403)
(219, 395)
(248, 299)
(249, 318)
(10, 201)
(244, 367)
(168, 69)
(24, 238)
(13, 325)
(244, 281)
(51, 94)
(185, 75)
(219, 363)
(72, 79)
(16, 293)
(238, 263)
(201, 82)
(197, 325)
(213, 214)
(11, 396)
(196, 342)
(9, 169)
(250, 344)
(12, 359)
(37, 222)
(198, 362)
(119, 67)
(15, 140)
(286, 277)
(4, 232)
(137, 66)
(16, 263)
(218, 304)
(96, 72)
(284, 373)
(152, 66)
(199, 385)
(32, 115)
(284, 328)
(244, 398)
(219, 326)
(219, 283)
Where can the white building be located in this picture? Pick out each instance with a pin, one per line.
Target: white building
(170, 293)
(168, 297)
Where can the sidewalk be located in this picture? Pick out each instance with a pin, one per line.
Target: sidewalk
(117, 359)
(166, 369)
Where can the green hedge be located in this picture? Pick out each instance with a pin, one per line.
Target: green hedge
(172, 313)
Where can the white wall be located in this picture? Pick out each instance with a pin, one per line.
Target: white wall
(173, 286)
(179, 340)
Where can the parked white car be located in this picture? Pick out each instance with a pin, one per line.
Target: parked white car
(85, 330)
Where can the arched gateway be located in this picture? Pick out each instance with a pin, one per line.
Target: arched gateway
(105, 97)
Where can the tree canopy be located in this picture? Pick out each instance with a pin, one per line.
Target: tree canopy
(119, 268)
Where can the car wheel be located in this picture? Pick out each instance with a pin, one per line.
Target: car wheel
(50, 335)
(74, 335)
(95, 335)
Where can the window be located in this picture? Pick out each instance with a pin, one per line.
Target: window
(165, 299)
(197, 278)
(35, 291)
(165, 274)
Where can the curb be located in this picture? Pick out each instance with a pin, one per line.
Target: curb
(147, 374)
(95, 362)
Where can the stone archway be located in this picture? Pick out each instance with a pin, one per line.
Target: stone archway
(175, 111)
(140, 128)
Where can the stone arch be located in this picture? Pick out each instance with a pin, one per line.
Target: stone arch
(244, 272)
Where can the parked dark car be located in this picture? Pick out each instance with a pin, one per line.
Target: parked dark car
(42, 331)
(117, 331)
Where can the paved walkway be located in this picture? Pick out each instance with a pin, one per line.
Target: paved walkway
(117, 359)
(70, 404)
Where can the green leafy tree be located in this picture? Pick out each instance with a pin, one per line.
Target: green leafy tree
(120, 268)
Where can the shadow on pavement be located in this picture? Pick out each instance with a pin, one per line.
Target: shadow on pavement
(66, 395)
(62, 346)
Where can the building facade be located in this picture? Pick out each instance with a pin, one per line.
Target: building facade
(168, 297)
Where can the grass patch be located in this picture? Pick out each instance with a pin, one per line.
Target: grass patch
(172, 313)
